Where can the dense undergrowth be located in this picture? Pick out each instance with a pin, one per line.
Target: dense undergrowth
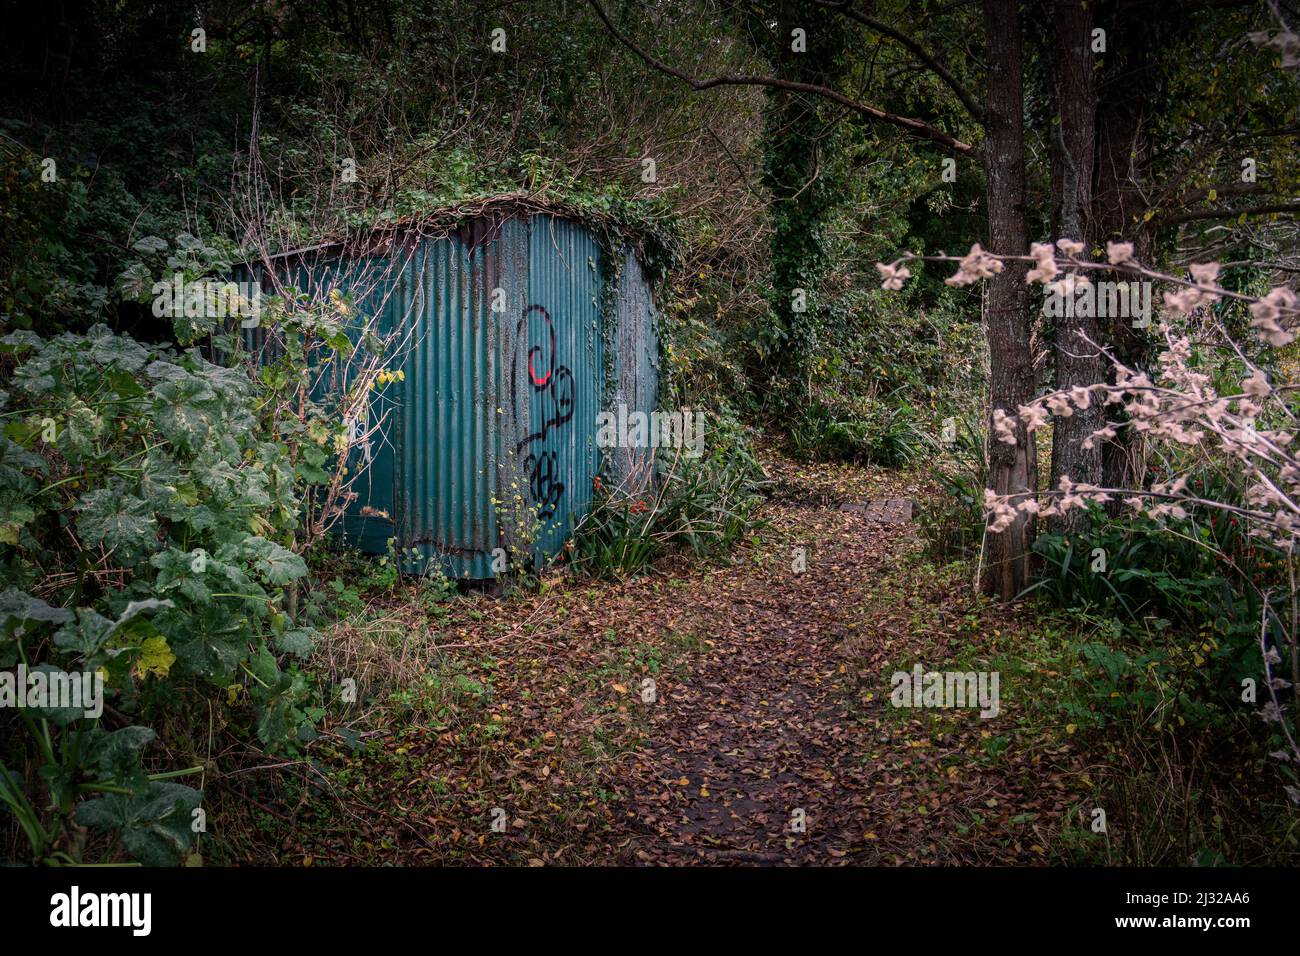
(1154, 633)
(1163, 773)
(147, 515)
(705, 504)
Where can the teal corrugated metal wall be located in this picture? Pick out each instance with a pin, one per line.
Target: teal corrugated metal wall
(490, 441)
(559, 356)
(635, 369)
(381, 279)
(449, 452)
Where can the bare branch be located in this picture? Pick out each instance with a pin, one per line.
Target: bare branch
(919, 127)
(1199, 214)
(938, 69)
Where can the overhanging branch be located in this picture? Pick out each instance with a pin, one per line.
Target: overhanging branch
(919, 127)
(921, 53)
(1226, 214)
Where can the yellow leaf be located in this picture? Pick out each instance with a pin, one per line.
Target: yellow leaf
(620, 688)
(156, 657)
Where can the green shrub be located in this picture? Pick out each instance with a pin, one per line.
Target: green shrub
(148, 516)
(1187, 599)
(705, 504)
(883, 432)
(952, 521)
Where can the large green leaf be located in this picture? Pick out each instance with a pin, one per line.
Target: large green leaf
(210, 641)
(92, 630)
(81, 684)
(14, 516)
(116, 350)
(274, 562)
(116, 520)
(180, 410)
(87, 635)
(154, 825)
(116, 756)
(296, 641)
(15, 456)
(17, 607)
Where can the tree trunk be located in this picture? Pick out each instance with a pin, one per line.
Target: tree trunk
(1012, 470)
(1073, 160)
(1118, 203)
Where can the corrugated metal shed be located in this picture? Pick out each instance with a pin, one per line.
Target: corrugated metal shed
(490, 441)
(635, 369)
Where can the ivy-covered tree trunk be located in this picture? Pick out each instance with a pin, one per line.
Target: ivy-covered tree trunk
(798, 151)
(1078, 360)
(1012, 469)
